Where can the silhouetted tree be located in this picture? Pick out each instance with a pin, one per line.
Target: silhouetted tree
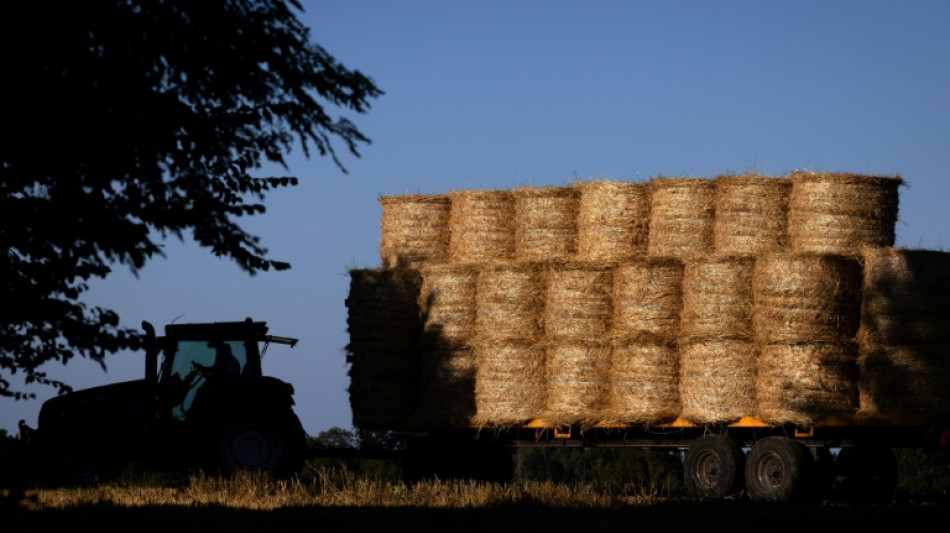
(129, 121)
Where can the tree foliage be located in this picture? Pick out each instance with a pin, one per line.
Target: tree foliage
(131, 121)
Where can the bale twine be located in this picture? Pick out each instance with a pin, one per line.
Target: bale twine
(840, 212)
(414, 229)
(384, 328)
(509, 302)
(447, 303)
(905, 380)
(717, 380)
(643, 382)
(509, 382)
(481, 226)
(647, 298)
(681, 217)
(577, 379)
(612, 220)
(906, 297)
(717, 299)
(446, 386)
(751, 214)
(805, 297)
(545, 223)
(577, 301)
(803, 383)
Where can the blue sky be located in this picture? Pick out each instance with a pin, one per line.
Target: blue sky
(500, 94)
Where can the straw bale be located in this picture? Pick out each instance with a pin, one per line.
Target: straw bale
(446, 386)
(682, 212)
(545, 223)
(384, 327)
(751, 214)
(647, 298)
(906, 297)
(447, 303)
(414, 229)
(509, 382)
(612, 220)
(577, 301)
(577, 378)
(717, 380)
(805, 297)
(803, 383)
(905, 380)
(841, 212)
(643, 381)
(509, 301)
(717, 299)
(481, 226)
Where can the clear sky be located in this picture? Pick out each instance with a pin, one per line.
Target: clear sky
(500, 94)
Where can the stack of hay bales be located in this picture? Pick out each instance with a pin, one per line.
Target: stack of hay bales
(904, 335)
(621, 302)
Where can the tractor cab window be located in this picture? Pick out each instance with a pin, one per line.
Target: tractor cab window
(194, 361)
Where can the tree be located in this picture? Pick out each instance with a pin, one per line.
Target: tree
(130, 121)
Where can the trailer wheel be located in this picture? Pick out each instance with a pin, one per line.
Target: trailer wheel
(713, 467)
(865, 473)
(778, 469)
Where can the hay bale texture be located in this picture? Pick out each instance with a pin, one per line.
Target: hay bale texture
(509, 302)
(510, 385)
(545, 223)
(414, 229)
(577, 381)
(806, 382)
(647, 299)
(682, 212)
(716, 347)
(904, 333)
(577, 301)
(643, 383)
(612, 221)
(446, 389)
(841, 212)
(481, 226)
(806, 297)
(384, 328)
(751, 214)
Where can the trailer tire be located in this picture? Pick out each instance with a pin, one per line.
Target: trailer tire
(778, 469)
(713, 467)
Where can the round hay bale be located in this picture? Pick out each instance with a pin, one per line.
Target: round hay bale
(804, 383)
(481, 226)
(717, 380)
(509, 382)
(384, 328)
(545, 223)
(647, 298)
(509, 301)
(577, 377)
(910, 380)
(751, 214)
(841, 212)
(577, 301)
(682, 211)
(414, 229)
(447, 303)
(804, 297)
(906, 297)
(717, 299)
(644, 383)
(612, 220)
(446, 387)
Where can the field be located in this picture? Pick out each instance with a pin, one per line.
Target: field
(331, 499)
